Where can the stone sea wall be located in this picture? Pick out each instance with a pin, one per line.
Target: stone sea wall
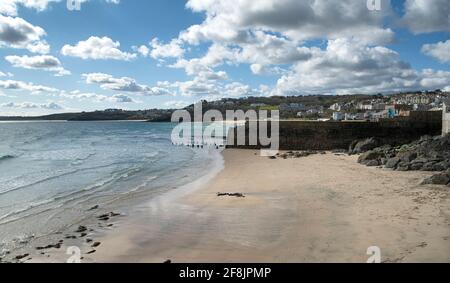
(305, 135)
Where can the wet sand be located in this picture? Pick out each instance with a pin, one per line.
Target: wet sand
(322, 208)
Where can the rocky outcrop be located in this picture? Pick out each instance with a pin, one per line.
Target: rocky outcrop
(358, 147)
(297, 154)
(439, 179)
(431, 154)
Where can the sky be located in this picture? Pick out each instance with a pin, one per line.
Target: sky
(84, 55)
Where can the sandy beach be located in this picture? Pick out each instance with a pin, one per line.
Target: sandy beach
(321, 208)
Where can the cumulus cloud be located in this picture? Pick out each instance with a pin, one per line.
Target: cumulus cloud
(347, 66)
(10, 7)
(122, 98)
(25, 86)
(17, 33)
(159, 50)
(270, 37)
(234, 20)
(439, 51)
(423, 16)
(97, 48)
(43, 62)
(123, 84)
(2, 74)
(94, 97)
(29, 105)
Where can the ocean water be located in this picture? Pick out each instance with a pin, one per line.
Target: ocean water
(51, 173)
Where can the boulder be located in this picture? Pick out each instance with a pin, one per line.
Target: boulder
(439, 179)
(429, 166)
(407, 156)
(403, 166)
(392, 163)
(365, 145)
(422, 160)
(416, 166)
(370, 156)
(373, 163)
(441, 166)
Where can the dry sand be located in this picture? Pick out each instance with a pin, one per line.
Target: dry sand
(322, 208)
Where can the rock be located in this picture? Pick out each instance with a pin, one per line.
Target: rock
(403, 166)
(104, 217)
(422, 160)
(441, 166)
(81, 229)
(91, 252)
(416, 166)
(94, 208)
(392, 163)
(365, 145)
(439, 179)
(56, 246)
(89, 240)
(373, 163)
(96, 244)
(19, 257)
(369, 156)
(407, 156)
(429, 166)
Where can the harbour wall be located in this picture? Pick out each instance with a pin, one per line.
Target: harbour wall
(311, 135)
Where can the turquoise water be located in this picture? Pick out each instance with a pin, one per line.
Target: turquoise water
(51, 173)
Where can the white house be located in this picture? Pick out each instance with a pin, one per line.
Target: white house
(338, 116)
(336, 107)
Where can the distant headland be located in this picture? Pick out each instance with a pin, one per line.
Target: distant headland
(305, 107)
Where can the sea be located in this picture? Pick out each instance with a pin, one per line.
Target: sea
(53, 173)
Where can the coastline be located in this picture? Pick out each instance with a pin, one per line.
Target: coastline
(324, 208)
(105, 220)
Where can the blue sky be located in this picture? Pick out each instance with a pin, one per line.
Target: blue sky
(135, 54)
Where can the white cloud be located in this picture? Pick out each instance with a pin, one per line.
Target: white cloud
(30, 105)
(25, 86)
(97, 48)
(123, 84)
(423, 16)
(6, 74)
(122, 98)
(233, 20)
(160, 50)
(10, 7)
(43, 62)
(347, 66)
(94, 97)
(440, 51)
(18, 33)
